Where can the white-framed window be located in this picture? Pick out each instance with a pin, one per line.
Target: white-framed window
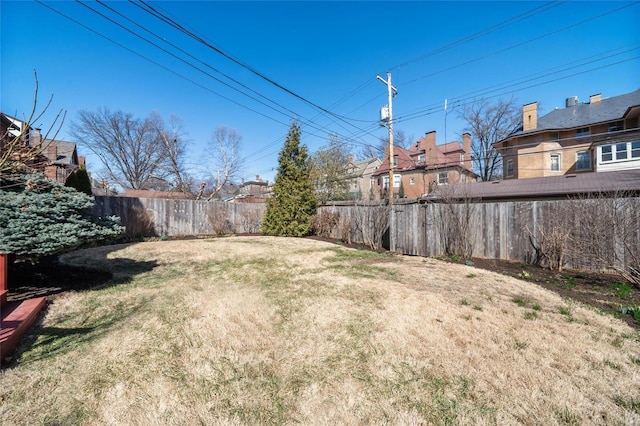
(395, 160)
(509, 168)
(619, 151)
(385, 182)
(583, 160)
(443, 178)
(461, 158)
(421, 158)
(412, 181)
(555, 162)
(396, 180)
(583, 132)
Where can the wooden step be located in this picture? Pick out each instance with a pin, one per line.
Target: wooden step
(17, 317)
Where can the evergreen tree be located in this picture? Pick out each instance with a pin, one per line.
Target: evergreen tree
(79, 180)
(294, 203)
(401, 190)
(41, 217)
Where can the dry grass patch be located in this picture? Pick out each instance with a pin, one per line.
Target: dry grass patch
(261, 330)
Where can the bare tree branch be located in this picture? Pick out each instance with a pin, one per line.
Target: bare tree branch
(129, 148)
(223, 160)
(489, 123)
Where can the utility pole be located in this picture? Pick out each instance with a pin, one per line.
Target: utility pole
(391, 93)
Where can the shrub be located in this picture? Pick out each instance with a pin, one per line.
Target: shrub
(325, 222)
(220, 224)
(139, 223)
(40, 217)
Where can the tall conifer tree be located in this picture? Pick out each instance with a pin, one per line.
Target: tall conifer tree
(294, 202)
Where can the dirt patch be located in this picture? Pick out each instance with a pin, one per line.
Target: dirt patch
(607, 292)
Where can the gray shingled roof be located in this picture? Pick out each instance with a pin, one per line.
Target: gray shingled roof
(583, 115)
(544, 187)
(65, 151)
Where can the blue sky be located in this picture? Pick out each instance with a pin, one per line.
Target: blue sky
(326, 53)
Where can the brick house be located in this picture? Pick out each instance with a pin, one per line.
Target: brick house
(255, 188)
(56, 159)
(600, 135)
(424, 165)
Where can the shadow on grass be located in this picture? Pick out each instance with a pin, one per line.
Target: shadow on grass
(51, 277)
(48, 342)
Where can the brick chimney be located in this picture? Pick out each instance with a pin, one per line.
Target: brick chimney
(36, 138)
(466, 147)
(428, 143)
(52, 151)
(530, 116)
(594, 99)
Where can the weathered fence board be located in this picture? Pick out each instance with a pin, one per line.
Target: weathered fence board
(496, 230)
(173, 217)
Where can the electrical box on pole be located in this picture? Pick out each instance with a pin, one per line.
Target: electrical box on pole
(391, 92)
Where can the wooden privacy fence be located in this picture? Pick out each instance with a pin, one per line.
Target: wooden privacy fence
(582, 234)
(172, 217)
(586, 233)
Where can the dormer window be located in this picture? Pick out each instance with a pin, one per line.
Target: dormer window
(616, 126)
(421, 158)
(583, 132)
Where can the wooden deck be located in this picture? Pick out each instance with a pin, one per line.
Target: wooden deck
(17, 317)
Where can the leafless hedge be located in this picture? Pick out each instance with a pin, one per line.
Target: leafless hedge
(599, 232)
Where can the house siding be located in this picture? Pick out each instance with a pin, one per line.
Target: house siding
(559, 133)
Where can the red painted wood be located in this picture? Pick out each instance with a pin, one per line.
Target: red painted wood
(4, 270)
(17, 317)
(3, 297)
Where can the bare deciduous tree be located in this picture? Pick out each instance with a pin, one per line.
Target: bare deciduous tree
(551, 239)
(329, 170)
(594, 232)
(172, 137)
(489, 123)
(607, 233)
(455, 219)
(400, 139)
(372, 222)
(223, 161)
(128, 147)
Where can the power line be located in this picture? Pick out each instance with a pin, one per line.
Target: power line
(159, 15)
(535, 11)
(525, 42)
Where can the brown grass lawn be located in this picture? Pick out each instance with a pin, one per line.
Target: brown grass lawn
(261, 330)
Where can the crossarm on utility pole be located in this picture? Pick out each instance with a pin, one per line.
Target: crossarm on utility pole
(391, 92)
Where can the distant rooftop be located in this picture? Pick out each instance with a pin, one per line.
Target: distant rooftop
(544, 187)
(586, 114)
